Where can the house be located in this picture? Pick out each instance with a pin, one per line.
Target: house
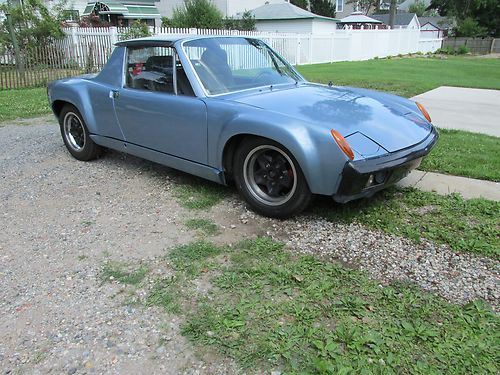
(405, 5)
(124, 12)
(344, 8)
(358, 20)
(401, 20)
(434, 27)
(285, 17)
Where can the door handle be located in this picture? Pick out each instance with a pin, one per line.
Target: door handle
(114, 94)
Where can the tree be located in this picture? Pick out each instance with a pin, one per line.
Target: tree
(201, 14)
(32, 23)
(470, 27)
(418, 7)
(366, 5)
(323, 8)
(246, 22)
(485, 14)
(300, 3)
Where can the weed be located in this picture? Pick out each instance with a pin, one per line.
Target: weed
(199, 194)
(123, 273)
(206, 226)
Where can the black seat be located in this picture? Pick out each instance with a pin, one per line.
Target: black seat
(159, 64)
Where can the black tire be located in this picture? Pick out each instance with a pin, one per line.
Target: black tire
(76, 135)
(269, 178)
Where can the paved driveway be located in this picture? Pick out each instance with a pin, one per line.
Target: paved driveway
(475, 110)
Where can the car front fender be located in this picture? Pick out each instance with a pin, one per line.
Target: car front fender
(314, 148)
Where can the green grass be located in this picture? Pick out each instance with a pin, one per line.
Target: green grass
(269, 310)
(123, 273)
(465, 225)
(23, 103)
(408, 76)
(205, 226)
(199, 194)
(466, 154)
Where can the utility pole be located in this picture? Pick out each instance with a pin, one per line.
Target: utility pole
(392, 13)
(17, 52)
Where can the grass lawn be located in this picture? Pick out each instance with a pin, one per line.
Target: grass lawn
(408, 76)
(23, 103)
(269, 310)
(466, 154)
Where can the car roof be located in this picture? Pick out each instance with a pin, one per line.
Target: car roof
(169, 40)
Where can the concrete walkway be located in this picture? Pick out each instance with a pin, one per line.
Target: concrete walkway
(475, 110)
(445, 184)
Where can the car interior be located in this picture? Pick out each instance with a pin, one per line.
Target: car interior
(156, 74)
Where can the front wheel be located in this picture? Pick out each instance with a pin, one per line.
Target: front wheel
(270, 179)
(76, 136)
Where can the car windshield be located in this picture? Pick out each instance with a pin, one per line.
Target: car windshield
(226, 65)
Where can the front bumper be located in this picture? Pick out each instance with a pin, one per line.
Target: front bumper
(363, 178)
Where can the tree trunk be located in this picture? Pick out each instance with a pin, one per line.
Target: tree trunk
(392, 13)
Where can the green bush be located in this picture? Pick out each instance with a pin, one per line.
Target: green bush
(138, 29)
(201, 14)
(449, 50)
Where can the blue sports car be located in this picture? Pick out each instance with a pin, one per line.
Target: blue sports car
(231, 109)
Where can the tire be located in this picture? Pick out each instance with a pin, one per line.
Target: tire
(76, 135)
(269, 178)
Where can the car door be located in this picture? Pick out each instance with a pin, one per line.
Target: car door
(153, 113)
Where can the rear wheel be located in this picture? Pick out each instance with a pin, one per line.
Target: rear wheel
(76, 136)
(270, 179)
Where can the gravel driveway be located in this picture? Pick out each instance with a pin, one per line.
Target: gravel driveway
(62, 219)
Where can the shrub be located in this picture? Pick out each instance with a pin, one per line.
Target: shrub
(138, 29)
(201, 14)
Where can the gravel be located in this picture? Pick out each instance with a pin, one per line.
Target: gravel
(62, 219)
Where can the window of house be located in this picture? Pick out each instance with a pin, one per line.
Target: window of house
(71, 15)
(339, 6)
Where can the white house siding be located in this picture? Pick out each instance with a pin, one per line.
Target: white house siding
(166, 7)
(304, 26)
(320, 26)
(429, 31)
(414, 24)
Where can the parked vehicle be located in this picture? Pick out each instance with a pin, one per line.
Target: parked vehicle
(231, 109)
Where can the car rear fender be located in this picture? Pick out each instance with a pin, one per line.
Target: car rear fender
(75, 92)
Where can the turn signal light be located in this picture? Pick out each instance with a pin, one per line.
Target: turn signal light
(424, 111)
(344, 146)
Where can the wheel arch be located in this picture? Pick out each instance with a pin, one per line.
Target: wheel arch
(319, 160)
(76, 95)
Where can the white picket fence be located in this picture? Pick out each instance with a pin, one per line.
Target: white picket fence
(342, 45)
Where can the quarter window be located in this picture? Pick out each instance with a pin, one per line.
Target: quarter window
(150, 68)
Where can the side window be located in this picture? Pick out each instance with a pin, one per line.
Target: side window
(150, 68)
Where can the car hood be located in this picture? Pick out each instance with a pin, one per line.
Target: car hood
(385, 119)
